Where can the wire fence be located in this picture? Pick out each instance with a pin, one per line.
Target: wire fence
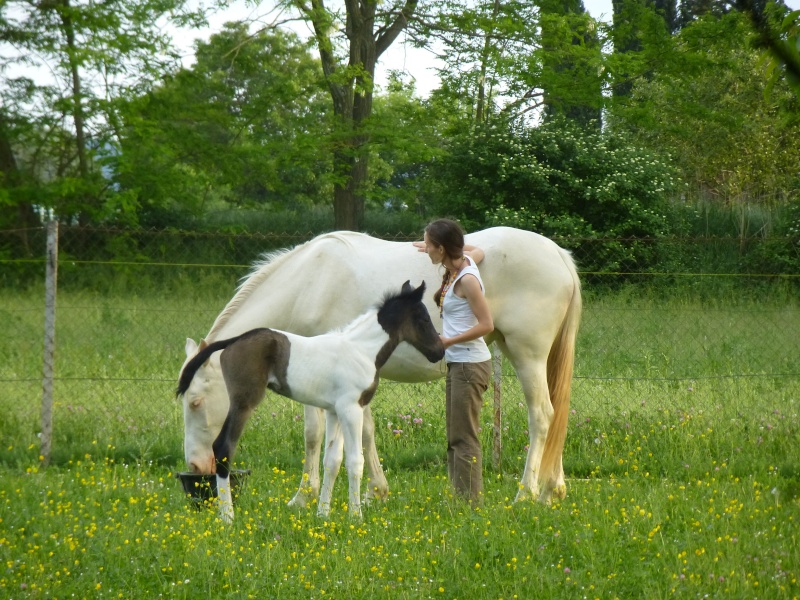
(717, 334)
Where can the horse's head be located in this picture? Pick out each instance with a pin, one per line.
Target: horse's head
(406, 319)
(205, 406)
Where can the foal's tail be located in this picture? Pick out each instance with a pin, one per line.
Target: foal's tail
(560, 362)
(197, 361)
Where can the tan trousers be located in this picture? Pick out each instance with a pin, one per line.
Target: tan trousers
(466, 383)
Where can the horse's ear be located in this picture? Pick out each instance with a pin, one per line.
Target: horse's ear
(419, 292)
(203, 345)
(191, 347)
(407, 287)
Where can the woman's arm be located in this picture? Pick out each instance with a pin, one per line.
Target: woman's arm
(475, 253)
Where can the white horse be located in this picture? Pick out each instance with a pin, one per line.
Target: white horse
(532, 289)
(336, 371)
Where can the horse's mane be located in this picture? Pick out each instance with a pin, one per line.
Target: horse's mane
(261, 269)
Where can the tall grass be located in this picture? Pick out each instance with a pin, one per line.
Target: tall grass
(681, 460)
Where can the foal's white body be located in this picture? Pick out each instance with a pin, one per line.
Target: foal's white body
(532, 289)
(329, 372)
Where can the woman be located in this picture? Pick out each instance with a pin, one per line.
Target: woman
(465, 320)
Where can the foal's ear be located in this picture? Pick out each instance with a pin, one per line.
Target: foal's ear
(406, 287)
(191, 348)
(419, 292)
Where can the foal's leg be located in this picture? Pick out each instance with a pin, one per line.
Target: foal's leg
(314, 430)
(351, 419)
(245, 372)
(377, 486)
(243, 402)
(332, 461)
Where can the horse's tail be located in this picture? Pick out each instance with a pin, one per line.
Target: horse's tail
(190, 368)
(560, 363)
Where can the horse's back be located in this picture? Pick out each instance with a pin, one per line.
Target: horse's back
(529, 281)
(327, 282)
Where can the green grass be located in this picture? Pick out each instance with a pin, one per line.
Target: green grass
(682, 464)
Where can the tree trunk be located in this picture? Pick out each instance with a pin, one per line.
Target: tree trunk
(77, 95)
(25, 217)
(352, 95)
(488, 41)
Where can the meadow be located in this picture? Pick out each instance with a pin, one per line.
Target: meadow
(681, 457)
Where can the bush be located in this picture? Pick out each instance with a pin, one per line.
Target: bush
(560, 181)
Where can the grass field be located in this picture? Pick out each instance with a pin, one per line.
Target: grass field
(682, 462)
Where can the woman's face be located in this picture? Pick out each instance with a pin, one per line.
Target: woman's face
(435, 253)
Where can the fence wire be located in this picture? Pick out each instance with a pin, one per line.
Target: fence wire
(712, 335)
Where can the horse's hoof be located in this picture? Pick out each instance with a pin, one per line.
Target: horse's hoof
(323, 511)
(376, 493)
(299, 501)
(560, 491)
(226, 514)
(303, 498)
(556, 492)
(525, 494)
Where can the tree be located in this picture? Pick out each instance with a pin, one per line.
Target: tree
(60, 127)
(571, 62)
(247, 125)
(349, 52)
(707, 107)
(486, 47)
(779, 32)
(641, 35)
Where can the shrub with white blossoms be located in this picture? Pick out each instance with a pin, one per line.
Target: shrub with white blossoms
(564, 182)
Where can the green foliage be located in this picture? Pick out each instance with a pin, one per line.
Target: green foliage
(80, 60)
(571, 63)
(706, 107)
(247, 125)
(780, 252)
(405, 134)
(560, 181)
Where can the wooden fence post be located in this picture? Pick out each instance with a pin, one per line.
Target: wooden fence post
(51, 278)
(497, 379)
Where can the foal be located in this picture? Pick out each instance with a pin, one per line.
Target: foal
(336, 371)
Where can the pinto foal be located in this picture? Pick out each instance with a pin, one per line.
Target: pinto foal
(337, 371)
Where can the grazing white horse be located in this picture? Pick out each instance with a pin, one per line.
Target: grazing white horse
(336, 371)
(534, 295)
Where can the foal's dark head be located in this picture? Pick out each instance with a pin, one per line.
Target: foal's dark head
(404, 317)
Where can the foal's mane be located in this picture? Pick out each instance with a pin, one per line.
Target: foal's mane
(261, 269)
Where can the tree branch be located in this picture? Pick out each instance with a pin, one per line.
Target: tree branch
(389, 35)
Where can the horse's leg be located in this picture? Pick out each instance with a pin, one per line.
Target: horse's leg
(559, 482)
(314, 430)
(351, 419)
(332, 461)
(532, 375)
(377, 486)
(540, 413)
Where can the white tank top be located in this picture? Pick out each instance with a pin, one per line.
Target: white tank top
(457, 317)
